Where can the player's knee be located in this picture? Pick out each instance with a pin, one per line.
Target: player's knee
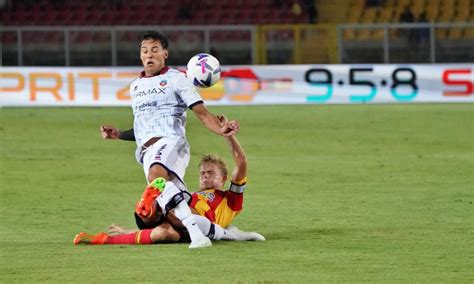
(157, 171)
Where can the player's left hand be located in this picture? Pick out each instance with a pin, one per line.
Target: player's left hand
(115, 229)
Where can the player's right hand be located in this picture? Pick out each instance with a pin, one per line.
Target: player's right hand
(109, 132)
(230, 128)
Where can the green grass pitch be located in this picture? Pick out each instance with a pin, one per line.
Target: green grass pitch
(355, 193)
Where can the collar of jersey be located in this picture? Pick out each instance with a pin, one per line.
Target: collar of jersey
(162, 71)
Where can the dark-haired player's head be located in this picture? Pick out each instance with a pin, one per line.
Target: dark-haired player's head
(149, 222)
(157, 36)
(153, 52)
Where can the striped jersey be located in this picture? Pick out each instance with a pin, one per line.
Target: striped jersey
(159, 104)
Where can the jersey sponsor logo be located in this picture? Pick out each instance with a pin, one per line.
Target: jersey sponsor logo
(145, 105)
(163, 83)
(147, 92)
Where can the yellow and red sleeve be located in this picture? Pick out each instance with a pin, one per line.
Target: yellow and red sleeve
(235, 194)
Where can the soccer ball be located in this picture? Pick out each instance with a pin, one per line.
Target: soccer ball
(204, 70)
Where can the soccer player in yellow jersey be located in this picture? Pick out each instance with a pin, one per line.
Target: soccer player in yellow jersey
(218, 205)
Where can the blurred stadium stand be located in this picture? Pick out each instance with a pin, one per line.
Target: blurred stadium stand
(150, 12)
(95, 33)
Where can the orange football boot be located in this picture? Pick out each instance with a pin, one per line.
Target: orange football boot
(87, 239)
(145, 206)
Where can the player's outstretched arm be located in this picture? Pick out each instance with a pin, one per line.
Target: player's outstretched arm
(110, 132)
(238, 154)
(212, 123)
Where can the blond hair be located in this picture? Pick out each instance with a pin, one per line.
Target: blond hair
(216, 160)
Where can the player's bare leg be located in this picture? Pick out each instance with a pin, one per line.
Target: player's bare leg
(157, 171)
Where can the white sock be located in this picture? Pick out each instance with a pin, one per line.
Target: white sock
(214, 231)
(182, 211)
(184, 214)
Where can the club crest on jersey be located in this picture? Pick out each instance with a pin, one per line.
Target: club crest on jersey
(163, 83)
(207, 195)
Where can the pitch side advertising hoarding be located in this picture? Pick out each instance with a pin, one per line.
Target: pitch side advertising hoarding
(243, 85)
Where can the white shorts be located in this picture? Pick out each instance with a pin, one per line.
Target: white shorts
(171, 153)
